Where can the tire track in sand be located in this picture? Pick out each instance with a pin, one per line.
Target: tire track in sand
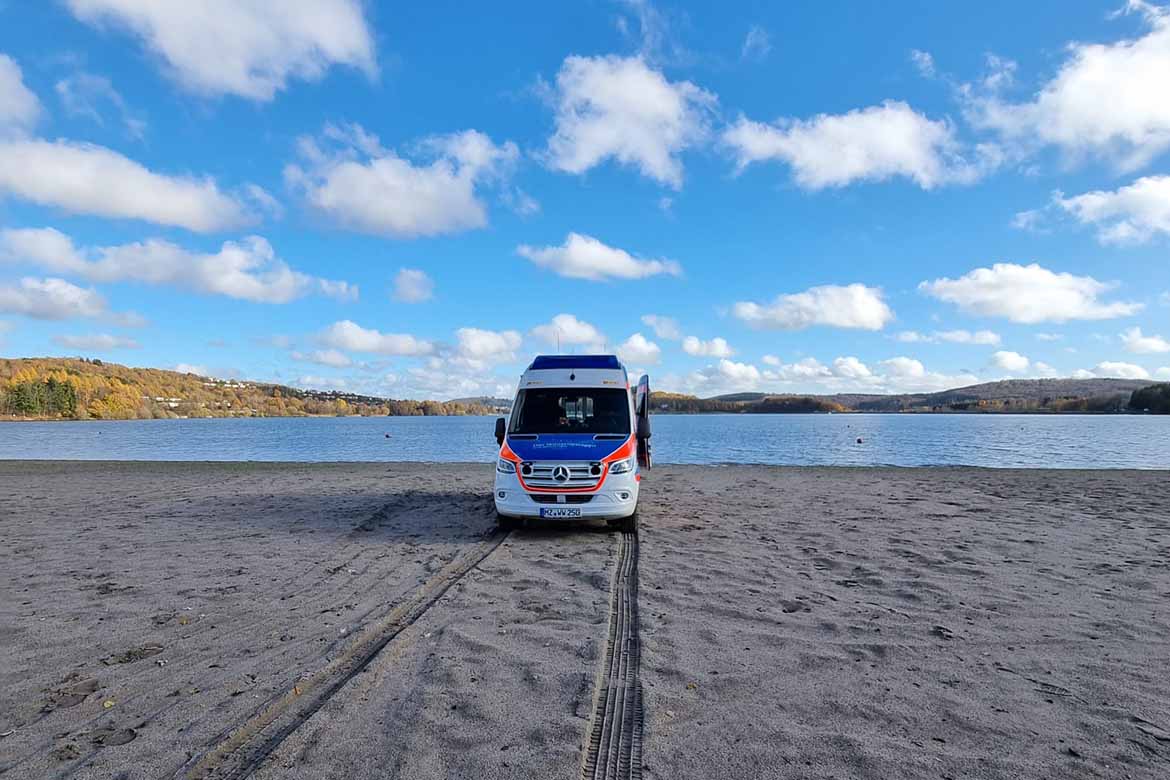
(238, 752)
(614, 748)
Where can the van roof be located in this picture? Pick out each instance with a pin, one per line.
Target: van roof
(575, 361)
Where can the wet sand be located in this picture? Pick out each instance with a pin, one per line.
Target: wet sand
(801, 623)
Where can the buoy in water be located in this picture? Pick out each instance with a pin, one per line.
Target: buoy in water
(859, 440)
(387, 436)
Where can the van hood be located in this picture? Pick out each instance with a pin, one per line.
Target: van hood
(564, 446)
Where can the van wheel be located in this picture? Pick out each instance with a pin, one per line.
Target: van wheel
(627, 524)
(506, 523)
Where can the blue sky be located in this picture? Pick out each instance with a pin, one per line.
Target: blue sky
(412, 199)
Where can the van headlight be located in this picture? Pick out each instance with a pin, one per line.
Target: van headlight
(505, 466)
(621, 466)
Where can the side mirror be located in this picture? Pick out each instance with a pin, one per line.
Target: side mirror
(643, 432)
(501, 430)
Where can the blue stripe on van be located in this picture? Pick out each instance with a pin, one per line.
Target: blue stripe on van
(575, 361)
(563, 446)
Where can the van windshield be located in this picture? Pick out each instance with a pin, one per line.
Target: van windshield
(572, 410)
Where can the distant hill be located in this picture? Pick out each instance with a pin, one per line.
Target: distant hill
(81, 389)
(485, 401)
(1011, 395)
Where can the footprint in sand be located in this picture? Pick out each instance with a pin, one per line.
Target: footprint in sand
(108, 736)
(133, 654)
(70, 696)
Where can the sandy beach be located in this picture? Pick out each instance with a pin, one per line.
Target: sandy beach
(368, 620)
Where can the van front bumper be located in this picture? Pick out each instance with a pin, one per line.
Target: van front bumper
(618, 498)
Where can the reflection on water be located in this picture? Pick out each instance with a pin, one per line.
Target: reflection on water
(1064, 441)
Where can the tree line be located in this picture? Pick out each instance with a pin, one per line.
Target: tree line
(81, 389)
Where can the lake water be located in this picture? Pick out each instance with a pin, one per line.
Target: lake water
(1065, 441)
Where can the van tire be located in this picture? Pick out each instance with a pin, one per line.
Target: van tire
(627, 524)
(506, 523)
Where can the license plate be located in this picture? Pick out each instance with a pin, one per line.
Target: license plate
(560, 511)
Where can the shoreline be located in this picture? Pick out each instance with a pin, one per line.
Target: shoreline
(847, 413)
(460, 464)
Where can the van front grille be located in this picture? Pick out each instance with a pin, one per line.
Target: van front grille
(579, 475)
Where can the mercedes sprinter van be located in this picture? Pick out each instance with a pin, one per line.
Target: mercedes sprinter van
(576, 443)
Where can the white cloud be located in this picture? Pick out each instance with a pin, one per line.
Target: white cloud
(756, 45)
(1049, 336)
(324, 357)
(50, 299)
(1106, 99)
(413, 286)
(242, 47)
(638, 350)
(1029, 294)
(88, 179)
(907, 375)
(19, 107)
(1135, 341)
(443, 379)
(567, 330)
(620, 108)
(982, 337)
(348, 335)
(478, 348)
(315, 382)
(367, 188)
(1010, 361)
(979, 337)
(96, 342)
(1031, 220)
(729, 375)
(584, 257)
(905, 367)
(851, 368)
(189, 368)
(870, 144)
(845, 374)
(924, 62)
(1128, 215)
(1111, 369)
(716, 347)
(1163, 372)
(337, 290)
(247, 270)
(851, 306)
(656, 36)
(88, 95)
(804, 369)
(521, 203)
(663, 327)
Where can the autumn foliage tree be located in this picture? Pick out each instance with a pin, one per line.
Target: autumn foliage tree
(80, 389)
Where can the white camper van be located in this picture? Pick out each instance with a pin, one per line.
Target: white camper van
(575, 444)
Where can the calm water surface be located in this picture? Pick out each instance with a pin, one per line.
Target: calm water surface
(1066, 441)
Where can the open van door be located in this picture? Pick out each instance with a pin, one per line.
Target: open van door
(642, 411)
